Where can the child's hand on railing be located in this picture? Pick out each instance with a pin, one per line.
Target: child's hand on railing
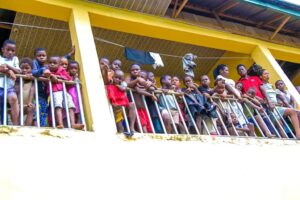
(53, 78)
(30, 105)
(3, 68)
(47, 73)
(154, 98)
(11, 75)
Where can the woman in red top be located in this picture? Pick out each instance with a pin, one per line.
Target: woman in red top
(250, 79)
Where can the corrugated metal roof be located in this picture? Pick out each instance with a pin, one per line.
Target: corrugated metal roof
(154, 7)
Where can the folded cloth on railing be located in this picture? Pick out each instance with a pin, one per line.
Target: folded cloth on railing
(116, 96)
(198, 104)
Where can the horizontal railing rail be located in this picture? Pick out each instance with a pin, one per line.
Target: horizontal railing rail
(50, 105)
(264, 122)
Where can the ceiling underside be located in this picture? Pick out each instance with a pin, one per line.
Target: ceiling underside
(57, 41)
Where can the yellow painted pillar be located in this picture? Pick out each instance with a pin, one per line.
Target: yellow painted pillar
(94, 96)
(263, 57)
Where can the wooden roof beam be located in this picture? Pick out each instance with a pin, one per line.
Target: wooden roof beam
(226, 6)
(272, 20)
(280, 26)
(180, 8)
(218, 19)
(174, 8)
(5, 26)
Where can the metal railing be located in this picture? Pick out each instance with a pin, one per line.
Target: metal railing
(277, 125)
(50, 105)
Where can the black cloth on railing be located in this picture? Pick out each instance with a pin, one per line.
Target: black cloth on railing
(38, 71)
(199, 105)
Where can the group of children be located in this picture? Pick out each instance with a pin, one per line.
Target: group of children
(55, 69)
(227, 108)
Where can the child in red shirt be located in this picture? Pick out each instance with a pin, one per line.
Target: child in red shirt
(58, 72)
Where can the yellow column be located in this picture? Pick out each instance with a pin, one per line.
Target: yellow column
(263, 57)
(94, 96)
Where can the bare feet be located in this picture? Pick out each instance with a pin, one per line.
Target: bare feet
(78, 126)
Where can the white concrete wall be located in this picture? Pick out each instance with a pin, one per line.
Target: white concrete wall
(96, 166)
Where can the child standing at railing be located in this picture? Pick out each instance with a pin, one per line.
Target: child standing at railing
(168, 104)
(9, 65)
(197, 103)
(134, 81)
(58, 73)
(40, 68)
(28, 90)
(73, 70)
(116, 94)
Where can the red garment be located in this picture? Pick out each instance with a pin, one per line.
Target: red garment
(116, 96)
(143, 116)
(63, 74)
(251, 81)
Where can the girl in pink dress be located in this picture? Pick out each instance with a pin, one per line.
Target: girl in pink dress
(73, 70)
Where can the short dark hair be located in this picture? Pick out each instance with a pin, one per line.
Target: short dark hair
(163, 77)
(26, 60)
(217, 70)
(36, 50)
(277, 82)
(238, 66)
(6, 42)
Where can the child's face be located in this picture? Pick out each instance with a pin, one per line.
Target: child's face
(104, 62)
(118, 77)
(239, 86)
(167, 81)
(188, 81)
(280, 85)
(135, 70)
(234, 118)
(41, 56)
(143, 75)
(265, 76)
(251, 93)
(26, 68)
(176, 82)
(73, 69)
(53, 64)
(9, 50)
(151, 77)
(242, 71)
(64, 62)
(116, 64)
(205, 81)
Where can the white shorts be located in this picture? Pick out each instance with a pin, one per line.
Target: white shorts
(58, 100)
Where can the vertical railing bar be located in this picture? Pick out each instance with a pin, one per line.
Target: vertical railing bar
(169, 111)
(278, 134)
(82, 117)
(205, 127)
(5, 101)
(136, 112)
(285, 123)
(159, 115)
(52, 105)
(37, 108)
(254, 120)
(21, 102)
(244, 116)
(190, 114)
(66, 105)
(222, 122)
(216, 128)
(277, 121)
(234, 129)
(126, 120)
(148, 113)
(180, 114)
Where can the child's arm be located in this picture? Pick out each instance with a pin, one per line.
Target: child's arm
(36, 71)
(283, 100)
(71, 53)
(145, 93)
(253, 105)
